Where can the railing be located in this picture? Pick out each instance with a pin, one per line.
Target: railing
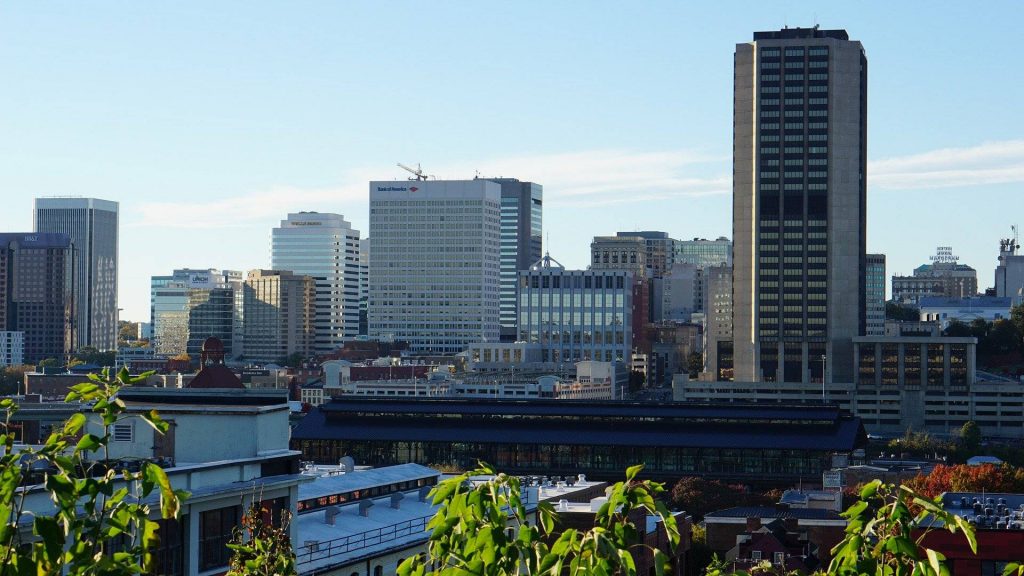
(328, 548)
(310, 552)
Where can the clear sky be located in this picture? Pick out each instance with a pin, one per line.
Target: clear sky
(210, 121)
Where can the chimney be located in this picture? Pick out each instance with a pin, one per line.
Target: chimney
(396, 500)
(330, 513)
(791, 524)
(424, 492)
(753, 524)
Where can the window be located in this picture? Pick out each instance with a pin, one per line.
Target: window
(215, 528)
(123, 432)
(780, 558)
(755, 555)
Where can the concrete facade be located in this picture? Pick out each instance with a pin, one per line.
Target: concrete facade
(799, 203)
(326, 247)
(435, 263)
(279, 316)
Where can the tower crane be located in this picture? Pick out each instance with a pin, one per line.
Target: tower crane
(417, 173)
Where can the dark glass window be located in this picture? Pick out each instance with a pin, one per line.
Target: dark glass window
(215, 530)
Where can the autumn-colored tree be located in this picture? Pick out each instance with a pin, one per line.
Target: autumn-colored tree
(963, 478)
(699, 496)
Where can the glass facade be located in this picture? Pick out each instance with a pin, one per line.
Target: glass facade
(522, 214)
(92, 225)
(577, 314)
(563, 458)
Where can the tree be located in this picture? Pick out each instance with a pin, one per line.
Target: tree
(970, 436)
(636, 380)
(12, 377)
(49, 363)
(1017, 319)
(127, 332)
(878, 537)
(1004, 337)
(96, 508)
(90, 355)
(261, 548)
(470, 536)
(695, 364)
(958, 329)
(699, 496)
(896, 311)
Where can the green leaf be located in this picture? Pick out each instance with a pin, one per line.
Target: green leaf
(74, 424)
(870, 489)
(935, 560)
(154, 420)
(170, 506)
(632, 471)
(89, 443)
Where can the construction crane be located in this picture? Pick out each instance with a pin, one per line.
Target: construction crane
(417, 173)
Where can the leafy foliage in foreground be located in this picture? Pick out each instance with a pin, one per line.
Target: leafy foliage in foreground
(100, 522)
(260, 548)
(470, 535)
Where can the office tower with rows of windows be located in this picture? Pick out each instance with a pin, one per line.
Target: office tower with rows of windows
(326, 247)
(435, 263)
(36, 296)
(190, 305)
(577, 314)
(279, 310)
(522, 219)
(799, 204)
(92, 226)
(875, 295)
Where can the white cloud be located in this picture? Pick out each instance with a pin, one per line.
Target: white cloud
(591, 178)
(588, 178)
(989, 163)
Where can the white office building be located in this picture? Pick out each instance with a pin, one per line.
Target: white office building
(434, 271)
(326, 247)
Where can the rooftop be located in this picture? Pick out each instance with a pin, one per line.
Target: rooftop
(788, 33)
(770, 512)
(970, 302)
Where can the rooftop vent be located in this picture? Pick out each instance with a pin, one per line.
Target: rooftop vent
(347, 464)
(396, 500)
(364, 508)
(424, 492)
(330, 513)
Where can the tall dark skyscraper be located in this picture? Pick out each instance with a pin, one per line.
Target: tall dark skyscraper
(799, 204)
(522, 219)
(92, 225)
(36, 292)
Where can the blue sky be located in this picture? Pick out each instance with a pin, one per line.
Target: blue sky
(208, 121)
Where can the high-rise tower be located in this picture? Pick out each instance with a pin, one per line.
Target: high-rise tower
(326, 247)
(522, 219)
(434, 263)
(799, 204)
(92, 225)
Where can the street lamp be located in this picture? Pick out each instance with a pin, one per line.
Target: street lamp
(823, 359)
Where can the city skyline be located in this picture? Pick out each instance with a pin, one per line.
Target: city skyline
(177, 129)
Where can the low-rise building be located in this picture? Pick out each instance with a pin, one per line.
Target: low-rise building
(600, 439)
(998, 521)
(366, 522)
(945, 310)
(819, 528)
